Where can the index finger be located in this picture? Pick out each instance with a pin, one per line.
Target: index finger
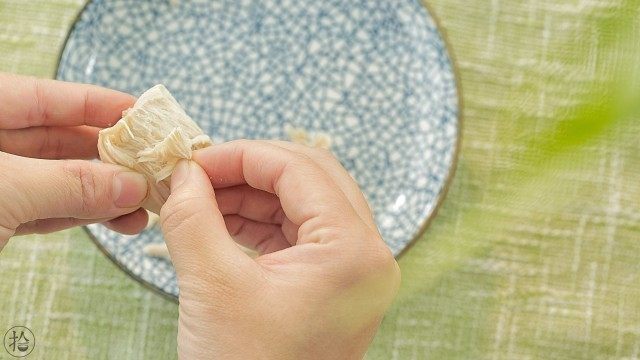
(306, 192)
(28, 101)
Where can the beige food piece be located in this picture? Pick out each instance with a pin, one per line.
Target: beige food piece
(321, 140)
(157, 250)
(302, 136)
(153, 220)
(151, 138)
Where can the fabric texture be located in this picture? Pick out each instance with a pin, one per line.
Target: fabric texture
(533, 254)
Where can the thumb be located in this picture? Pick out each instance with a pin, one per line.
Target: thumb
(193, 227)
(41, 189)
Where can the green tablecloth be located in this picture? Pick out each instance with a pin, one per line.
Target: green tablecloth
(534, 254)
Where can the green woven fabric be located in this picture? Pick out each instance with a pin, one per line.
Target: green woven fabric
(534, 254)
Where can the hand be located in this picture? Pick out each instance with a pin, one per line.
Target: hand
(45, 119)
(324, 277)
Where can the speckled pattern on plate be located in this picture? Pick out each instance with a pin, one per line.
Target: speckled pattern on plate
(375, 75)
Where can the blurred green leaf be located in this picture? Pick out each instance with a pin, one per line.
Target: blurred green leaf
(608, 104)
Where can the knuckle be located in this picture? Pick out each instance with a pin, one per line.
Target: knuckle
(88, 110)
(304, 161)
(379, 255)
(241, 143)
(43, 148)
(375, 260)
(51, 146)
(38, 114)
(304, 157)
(389, 267)
(324, 154)
(84, 182)
(312, 152)
(384, 268)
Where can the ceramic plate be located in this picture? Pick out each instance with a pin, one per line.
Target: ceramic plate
(375, 75)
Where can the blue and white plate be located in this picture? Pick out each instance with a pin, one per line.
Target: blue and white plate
(375, 75)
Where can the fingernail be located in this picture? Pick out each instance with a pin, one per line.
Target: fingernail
(129, 189)
(180, 174)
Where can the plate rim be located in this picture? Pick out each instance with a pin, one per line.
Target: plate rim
(426, 223)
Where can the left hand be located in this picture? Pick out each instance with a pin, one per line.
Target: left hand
(48, 131)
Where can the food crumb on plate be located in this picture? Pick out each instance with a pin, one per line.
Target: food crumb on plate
(304, 137)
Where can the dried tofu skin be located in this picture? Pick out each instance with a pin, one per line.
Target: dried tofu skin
(151, 138)
(303, 137)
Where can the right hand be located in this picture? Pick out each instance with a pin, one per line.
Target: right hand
(324, 277)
